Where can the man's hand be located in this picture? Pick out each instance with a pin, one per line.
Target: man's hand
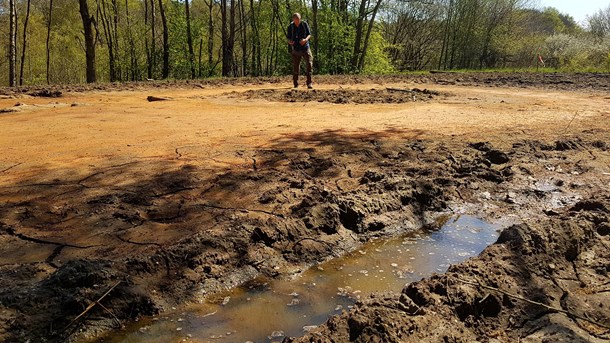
(303, 41)
(290, 42)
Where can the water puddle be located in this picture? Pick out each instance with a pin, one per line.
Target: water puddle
(269, 310)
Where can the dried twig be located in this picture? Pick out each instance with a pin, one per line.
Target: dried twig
(518, 297)
(570, 123)
(110, 313)
(97, 302)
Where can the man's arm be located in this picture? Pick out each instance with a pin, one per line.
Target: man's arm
(305, 40)
(289, 34)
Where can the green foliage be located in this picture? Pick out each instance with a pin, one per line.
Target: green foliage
(578, 53)
(179, 58)
(406, 35)
(336, 40)
(377, 60)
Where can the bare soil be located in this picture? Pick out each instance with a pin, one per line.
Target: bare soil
(171, 201)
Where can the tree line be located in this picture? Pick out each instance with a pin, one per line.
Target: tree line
(70, 41)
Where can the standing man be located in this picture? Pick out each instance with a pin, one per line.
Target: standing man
(298, 37)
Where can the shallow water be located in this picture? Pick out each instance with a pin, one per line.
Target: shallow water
(268, 310)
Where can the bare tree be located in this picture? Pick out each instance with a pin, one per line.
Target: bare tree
(415, 32)
(599, 23)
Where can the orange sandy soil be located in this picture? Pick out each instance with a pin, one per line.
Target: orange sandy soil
(80, 134)
(84, 132)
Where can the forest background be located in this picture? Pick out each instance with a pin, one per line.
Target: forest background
(73, 41)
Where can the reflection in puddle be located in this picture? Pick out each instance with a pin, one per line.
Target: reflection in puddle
(268, 310)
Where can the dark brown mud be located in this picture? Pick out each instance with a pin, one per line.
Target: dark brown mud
(546, 281)
(315, 207)
(388, 95)
(558, 81)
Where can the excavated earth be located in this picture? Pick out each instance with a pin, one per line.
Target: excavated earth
(113, 207)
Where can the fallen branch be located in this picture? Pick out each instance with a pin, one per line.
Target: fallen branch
(400, 90)
(92, 305)
(442, 72)
(548, 307)
(11, 167)
(110, 313)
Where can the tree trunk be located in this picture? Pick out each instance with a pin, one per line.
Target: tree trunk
(109, 40)
(146, 43)
(359, 33)
(442, 61)
(25, 40)
(368, 35)
(115, 31)
(255, 65)
(48, 41)
(153, 42)
(225, 37)
(165, 73)
(232, 35)
(200, 68)
(12, 49)
(228, 36)
(189, 38)
(135, 72)
(210, 36)
(89, 40)
(316, 45)
(244, 39)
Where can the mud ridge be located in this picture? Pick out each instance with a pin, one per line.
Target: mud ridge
(519, 289)
(345, 96)
(559, 81)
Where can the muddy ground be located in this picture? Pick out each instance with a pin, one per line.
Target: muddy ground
(147, 205)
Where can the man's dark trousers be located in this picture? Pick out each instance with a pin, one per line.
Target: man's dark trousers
(296, 65)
